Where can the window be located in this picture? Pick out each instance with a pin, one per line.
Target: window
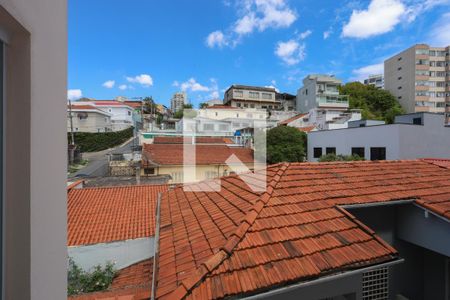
(223, 127)
(399, 78)
(238, 104)
(358, 151)
(330, 150)
(417, 121)
(399, 88)
(211, 174)
(238, 93)
(266, 96)
(129, 113)
(208, 126)
(399, 59)
(422, 52)
(317, 152)
(399, 68)
(377, 153)
(216, 114)
(254, 95)
(252, 105)
(149, 171)
(375, 284)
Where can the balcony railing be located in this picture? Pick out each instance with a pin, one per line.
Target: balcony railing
(333, 100)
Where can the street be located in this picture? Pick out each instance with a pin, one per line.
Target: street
(98, 161)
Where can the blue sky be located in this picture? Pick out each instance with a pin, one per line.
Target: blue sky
(144, 48)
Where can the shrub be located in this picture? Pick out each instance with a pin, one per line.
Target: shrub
(79, 281)
(339, 157)
(91, 142)
(285, 144)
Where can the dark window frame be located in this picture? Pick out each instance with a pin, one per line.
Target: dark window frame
(317, 152)
(360, 151)
(330, 150)
(377, 153)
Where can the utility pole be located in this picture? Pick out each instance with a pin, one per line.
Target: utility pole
(71, 123)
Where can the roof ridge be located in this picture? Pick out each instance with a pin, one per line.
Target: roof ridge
(225, 251)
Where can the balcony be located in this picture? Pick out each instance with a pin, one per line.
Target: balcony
(338, 101)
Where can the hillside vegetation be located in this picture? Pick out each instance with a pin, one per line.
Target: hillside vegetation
(375, 103)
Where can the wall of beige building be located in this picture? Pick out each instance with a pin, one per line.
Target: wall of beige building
(95, 122)
(35, 251)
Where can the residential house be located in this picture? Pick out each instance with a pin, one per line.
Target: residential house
(244, 96)
(417, 135)
(114, 224)
(316, 233)
(88, 118)
(210, 161)
(288, 101)
(122, 115)
(419, 78)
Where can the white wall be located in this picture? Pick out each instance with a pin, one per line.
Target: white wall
(402, 141)
(35, 149)
(121, 253)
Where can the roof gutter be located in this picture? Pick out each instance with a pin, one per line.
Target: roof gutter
(282, 290)
(156, 248)
(375, 204)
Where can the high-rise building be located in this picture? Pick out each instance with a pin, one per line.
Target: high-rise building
(178, 101)
(419, 77)
(375, 80)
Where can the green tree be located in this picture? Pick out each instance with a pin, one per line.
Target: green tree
(285, 144)
(375, 103)
(179, 114)
(203, 105)
(339, 157)
(80, 281)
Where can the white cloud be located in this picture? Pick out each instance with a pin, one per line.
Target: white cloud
(143, 79)
(193, 86)
(305, 34)
(74, 94)
(380, 17)
(418, 7)
(326, 34)
(109, 84)
(123, 87)
(214, 89)
(440, 33)
(364, 72)
(290, 52)
(254, 15)
(216, 38)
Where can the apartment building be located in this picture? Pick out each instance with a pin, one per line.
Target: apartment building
(244, 96)
(320, 91)
(375, 80)
(178, 101)
(419, 77)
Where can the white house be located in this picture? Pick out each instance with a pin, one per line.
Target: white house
(417, 135)
(121, 114)
(88, 118)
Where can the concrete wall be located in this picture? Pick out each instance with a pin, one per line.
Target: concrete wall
(35, 99)
(402, 141)
(121, 253)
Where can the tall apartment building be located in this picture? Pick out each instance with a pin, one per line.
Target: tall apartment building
(375, 80)
(320, 91)
(244, 96)
(177, 101)
(419, 78)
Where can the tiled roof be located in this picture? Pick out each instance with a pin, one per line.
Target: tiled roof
(172, 154)
(102, 215)
(237, 243)
(198, 140)
(131, 283)
(219, 106)
(74, 106)
(307, 128)
(287, 121)
(442, 162)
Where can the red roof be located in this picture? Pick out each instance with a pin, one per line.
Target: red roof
(198, 140)
(172, 154)
(287, 121)
(237, 243)
(81, 106)
(107, 214)
(307, 128)
(109, 103)
(133, 104)
(131, 283)
(442, 162)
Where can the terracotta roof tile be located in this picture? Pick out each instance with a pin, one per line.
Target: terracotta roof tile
(251, 242)
(107, 214)
(287, 121)
(198, 140)
(442, 162)
(172, 154)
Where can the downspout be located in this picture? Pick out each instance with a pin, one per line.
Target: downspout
(156, 248)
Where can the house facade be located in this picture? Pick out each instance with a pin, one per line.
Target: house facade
(122, 115)
(411, 136)
(87, 118)
(243, 96)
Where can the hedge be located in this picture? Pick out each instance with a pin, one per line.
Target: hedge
(91, 142)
